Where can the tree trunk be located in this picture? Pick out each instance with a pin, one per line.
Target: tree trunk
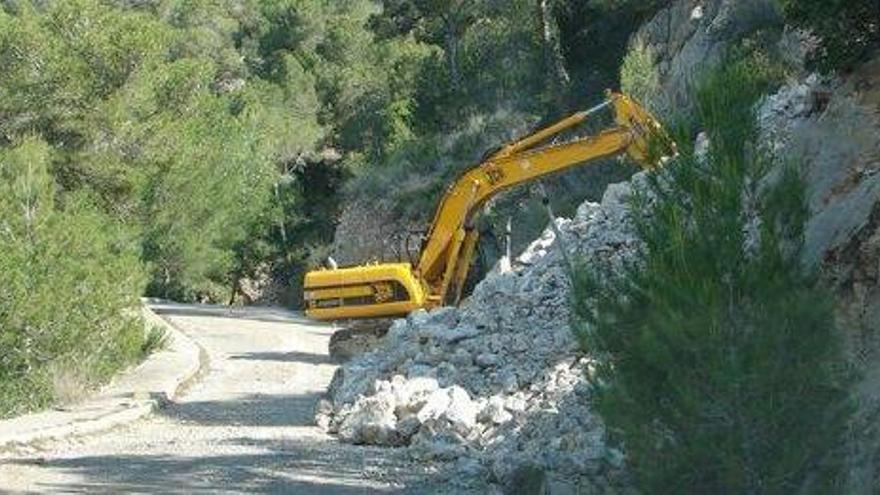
(281, 228)
(234, 291)
(451, 41)
(553, 59)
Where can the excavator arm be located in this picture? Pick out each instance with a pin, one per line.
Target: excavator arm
(437, 279)
(447, 253)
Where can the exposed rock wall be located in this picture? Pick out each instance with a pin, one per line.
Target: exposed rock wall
(368, 231)
(831, 130)
(690, 38)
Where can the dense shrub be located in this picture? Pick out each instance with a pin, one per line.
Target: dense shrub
(69, 281)
(169, 117)
(719, 365)
(182, 141)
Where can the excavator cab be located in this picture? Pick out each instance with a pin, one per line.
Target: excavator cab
(437, 278)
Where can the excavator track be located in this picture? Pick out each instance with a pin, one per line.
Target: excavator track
(353, 337)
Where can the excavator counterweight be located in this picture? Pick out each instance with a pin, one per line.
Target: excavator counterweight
(395, 289)
(363, 291)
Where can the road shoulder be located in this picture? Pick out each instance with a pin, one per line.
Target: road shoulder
(135, 393)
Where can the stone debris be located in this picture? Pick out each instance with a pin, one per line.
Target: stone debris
(500, 382)
(781, 113)
(357, 336)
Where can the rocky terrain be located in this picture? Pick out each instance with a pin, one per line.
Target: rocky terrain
(690, 38)
(498, 385)
(829, 127)
(499, 389)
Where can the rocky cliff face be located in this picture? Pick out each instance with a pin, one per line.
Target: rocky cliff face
(367, 231)
(834, 136)
(831, 130)
(690, 38)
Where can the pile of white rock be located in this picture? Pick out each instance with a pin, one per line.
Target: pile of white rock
(501, 381)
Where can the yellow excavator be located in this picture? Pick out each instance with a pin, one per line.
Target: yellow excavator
(437, 279)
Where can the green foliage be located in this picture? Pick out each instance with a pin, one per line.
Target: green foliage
(639, 77)
(483, 54)
(478, 64)
(206, 192)
(69, 285)
(155, 340)
(720, 367)
(55, 64)
(156, 113)
(161, 145)
(849, 30)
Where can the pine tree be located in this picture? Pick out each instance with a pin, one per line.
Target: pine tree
(721, 369)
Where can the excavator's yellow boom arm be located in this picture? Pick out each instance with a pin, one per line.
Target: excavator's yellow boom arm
(437, 279)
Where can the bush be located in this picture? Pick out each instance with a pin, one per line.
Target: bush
(639, 77)
(849, 29)
(69, 286)
(720, 368)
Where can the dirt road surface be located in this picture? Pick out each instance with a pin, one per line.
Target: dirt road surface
(246, 427)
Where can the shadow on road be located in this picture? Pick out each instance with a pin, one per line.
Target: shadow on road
(288, 461)
(286, 357)
(252, 313)
(251, 410)
(292, 468)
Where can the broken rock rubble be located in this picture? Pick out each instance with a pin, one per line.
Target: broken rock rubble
(500, 381)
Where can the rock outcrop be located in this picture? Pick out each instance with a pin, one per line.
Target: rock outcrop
(830, 129)
(690, 38)
(368, 231)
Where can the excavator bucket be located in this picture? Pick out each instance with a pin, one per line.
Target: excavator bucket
(652, 145)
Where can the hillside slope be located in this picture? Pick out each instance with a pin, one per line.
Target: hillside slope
(500, 384)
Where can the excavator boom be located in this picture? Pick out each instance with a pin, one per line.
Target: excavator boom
(396, 289)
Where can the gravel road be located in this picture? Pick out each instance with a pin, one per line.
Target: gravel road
(246, 427)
